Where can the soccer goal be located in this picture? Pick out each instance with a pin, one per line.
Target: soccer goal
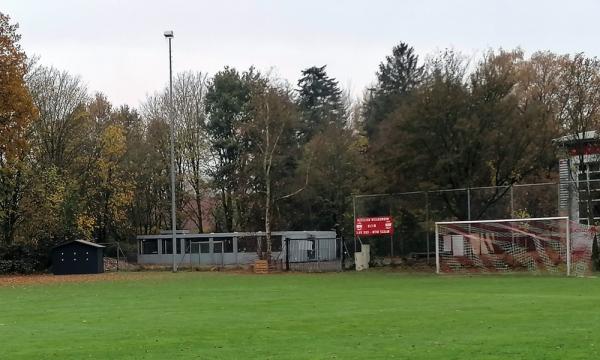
(540, 245)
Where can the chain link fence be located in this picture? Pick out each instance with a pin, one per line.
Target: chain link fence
(119, 256)
(313, 254)
(415, 214)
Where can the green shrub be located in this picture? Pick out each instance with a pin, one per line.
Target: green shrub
(21, 259)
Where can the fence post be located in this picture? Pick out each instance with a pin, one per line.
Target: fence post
(392, 233)
(118, 249)
(341, 247)
(512, 202)
(437, 251)
(287, 254)
(354, 221)
(568, 248)
(427, 222)
(318, 244)
(469, 203)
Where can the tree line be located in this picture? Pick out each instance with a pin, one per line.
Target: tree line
(256, 153)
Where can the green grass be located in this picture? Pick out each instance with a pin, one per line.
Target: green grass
(327, 316)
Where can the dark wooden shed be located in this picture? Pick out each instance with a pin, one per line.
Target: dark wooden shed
(78, 257)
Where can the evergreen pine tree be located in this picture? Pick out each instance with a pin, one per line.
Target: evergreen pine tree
(320, 102)
(397, 76)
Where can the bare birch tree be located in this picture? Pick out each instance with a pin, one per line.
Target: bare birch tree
(274, 119)
(188, 101)
(191, 147)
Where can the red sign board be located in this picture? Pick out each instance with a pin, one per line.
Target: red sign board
(587, 149)
(374, 226)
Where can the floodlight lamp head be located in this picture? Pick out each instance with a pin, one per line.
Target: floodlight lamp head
(169, 34)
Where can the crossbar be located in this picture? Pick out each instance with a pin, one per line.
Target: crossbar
(500, 220)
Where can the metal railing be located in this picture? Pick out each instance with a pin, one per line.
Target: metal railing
(313, 255)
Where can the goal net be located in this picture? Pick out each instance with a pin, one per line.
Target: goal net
(540, 245)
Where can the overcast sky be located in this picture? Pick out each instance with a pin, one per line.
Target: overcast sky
(117, 46)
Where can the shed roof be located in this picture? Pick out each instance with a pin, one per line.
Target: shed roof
(88, 243)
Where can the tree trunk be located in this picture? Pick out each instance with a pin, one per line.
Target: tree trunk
(229, 211)
(268, 217)
(226, 203)
(267, 162)
(12, 210)
(199, 212)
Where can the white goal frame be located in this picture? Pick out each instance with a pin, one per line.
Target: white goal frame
(563, 218)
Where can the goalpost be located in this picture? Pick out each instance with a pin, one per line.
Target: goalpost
(541, 245)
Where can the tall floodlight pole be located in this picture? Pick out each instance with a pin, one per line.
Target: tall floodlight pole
(169, 35)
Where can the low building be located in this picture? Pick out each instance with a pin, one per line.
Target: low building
(579, 173)
(237, 248)
(78, 257)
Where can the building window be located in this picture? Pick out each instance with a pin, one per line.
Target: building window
(247, 244)
(276, 243)
(204, 248)
(310, 251)
(167, 246)
(227, 244)
(150, 246)
(198, 246)
(589, 188)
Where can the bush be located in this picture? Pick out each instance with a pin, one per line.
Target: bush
(18, 266)
(21, 259)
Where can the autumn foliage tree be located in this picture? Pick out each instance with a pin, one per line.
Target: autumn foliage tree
(16, 115)
(254, 154)
(16, 106)
(461, 129)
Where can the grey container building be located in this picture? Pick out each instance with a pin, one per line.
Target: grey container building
(237, 248)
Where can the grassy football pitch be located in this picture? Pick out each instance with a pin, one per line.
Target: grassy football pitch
(374, 315)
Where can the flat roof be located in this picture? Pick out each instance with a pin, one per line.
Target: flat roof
(588, 136)
(235, 234)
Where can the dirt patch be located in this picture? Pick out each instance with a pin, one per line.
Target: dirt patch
(154, 273)
(18, 280)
